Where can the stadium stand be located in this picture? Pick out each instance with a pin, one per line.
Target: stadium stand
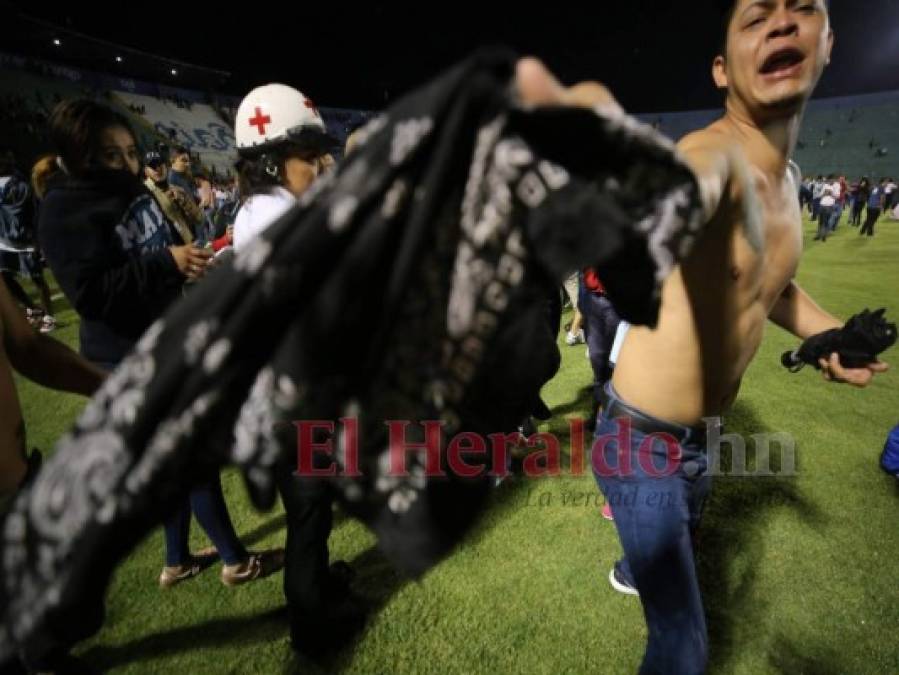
(855, 136)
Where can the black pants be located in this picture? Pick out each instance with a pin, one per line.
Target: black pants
(868, 227)
(824, 214)
(307, 502)
(856, 218)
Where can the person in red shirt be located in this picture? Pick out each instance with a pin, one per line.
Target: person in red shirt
(600, 323)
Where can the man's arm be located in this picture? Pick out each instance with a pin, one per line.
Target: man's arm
(797, 313)
(41, 358)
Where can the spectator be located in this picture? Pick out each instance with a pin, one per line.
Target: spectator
(281, 141)
(180, 174)
(817, 194)
(826, 208)
(121, 264)
(805, 194)
(279, 160)
(875, 206)
(837, 191)
(889, 196)
(861, 199)
(178, 206)
(600, 325)
(889, 459)
(19, 255)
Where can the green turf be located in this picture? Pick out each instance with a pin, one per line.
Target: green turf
(798, 574)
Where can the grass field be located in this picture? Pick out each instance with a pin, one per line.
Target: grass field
(799, 575)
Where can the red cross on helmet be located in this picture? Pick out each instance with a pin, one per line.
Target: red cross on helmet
(274, 114)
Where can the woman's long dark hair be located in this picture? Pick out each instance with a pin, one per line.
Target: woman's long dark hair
(259, 174)
(75, 128)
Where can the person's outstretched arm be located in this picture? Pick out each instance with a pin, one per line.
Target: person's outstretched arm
(42, 359)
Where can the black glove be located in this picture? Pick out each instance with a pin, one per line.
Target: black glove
(858, 343)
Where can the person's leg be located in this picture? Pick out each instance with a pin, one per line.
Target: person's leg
(44, 290)
(177, 536)
(307, 503)
(577, 331)
(870, 219)
(874, 218)
(208, 505)
(835, 218)
(577, 324)
(597, 350)
(654, 516)
(17, 291)
(823, 215)
(571, 289)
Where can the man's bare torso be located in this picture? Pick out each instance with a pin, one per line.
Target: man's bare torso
(714, 308)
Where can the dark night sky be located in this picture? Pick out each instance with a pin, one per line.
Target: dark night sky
(654, 55)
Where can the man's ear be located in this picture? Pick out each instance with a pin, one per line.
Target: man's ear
(719, 72)
(829, 46)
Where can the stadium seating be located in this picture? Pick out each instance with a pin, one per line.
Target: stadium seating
(853, 136)
(197, 126)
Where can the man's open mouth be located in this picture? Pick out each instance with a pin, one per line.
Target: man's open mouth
(781, 61)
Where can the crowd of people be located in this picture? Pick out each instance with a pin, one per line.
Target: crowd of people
(827, 199)
(126, 234)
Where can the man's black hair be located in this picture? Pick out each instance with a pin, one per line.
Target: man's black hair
(726, 9)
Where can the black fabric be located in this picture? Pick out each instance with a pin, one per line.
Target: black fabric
(117, 292)
(410, 285)
(859, 342)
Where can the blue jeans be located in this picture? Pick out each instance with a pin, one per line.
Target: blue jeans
(208, 504)
(835, 216)
(656, 493)
(600, 323)
(824, 216)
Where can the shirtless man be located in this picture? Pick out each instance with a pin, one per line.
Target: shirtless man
(43, 360)
(714, 307)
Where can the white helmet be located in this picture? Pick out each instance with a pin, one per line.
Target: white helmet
(274, 114)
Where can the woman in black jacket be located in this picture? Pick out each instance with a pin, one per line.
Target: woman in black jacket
(121, 263)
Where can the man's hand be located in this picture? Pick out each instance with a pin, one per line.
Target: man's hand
(191, 261)
(833, 371)
(538, 87)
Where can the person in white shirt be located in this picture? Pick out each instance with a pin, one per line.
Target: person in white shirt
(817, 193)
(283, 146)
(890, 192)
(825, 212)
(836, 191)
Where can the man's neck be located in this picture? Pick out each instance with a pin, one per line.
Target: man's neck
(768, 143)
